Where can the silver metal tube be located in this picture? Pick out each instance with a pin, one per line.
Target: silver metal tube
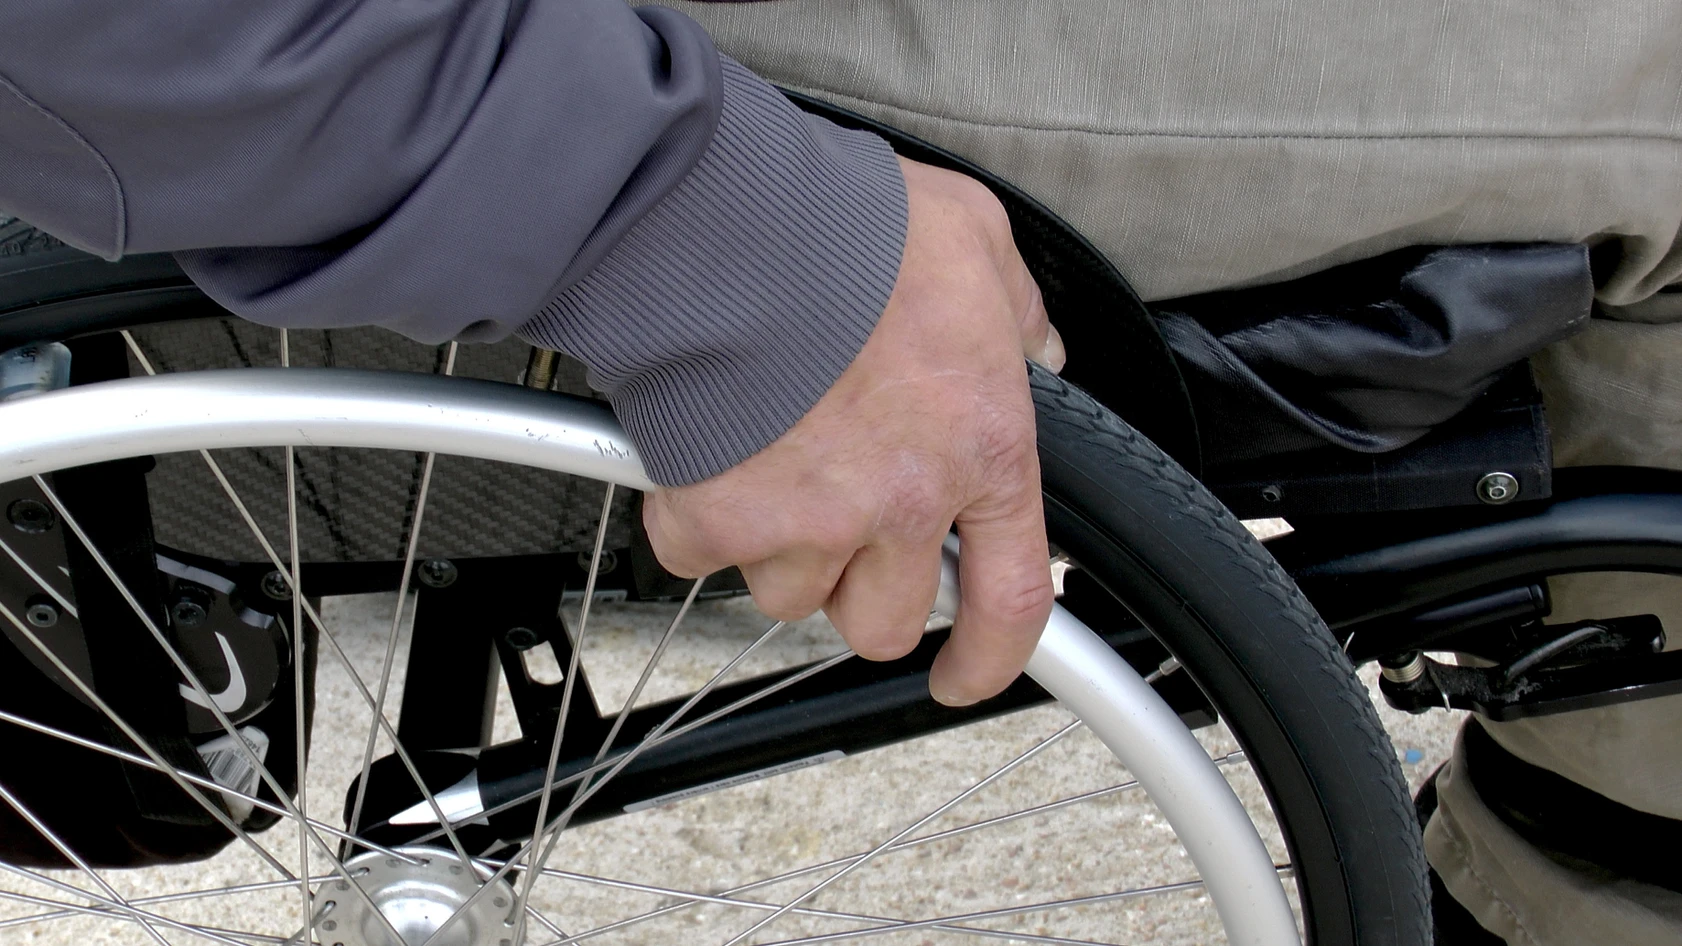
(1128, 716)
(315, 407)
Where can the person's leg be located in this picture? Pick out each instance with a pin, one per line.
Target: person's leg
(1614, 396)
(1205, 144)
(1528, 896)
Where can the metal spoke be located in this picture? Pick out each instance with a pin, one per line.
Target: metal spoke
(325, 636)
(548, 924)
(216, 811)
(1046, 808)
(391, 644)
(752, 698)
(561, 721)
(1228, 759)
(253, 800)
(624, 710)
(52, 592)
(850, 860)
(618, 765)
(819, 887)
(647, 673)
(652, 741)
(70, 855)
(723, 900)
(847, 864)
(198, 686)
(1000, 913)
(300, 724)
(69, 910)
(585, 793)
(127, 913)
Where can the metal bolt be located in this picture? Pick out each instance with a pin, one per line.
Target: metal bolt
(275, 586)
(610, 561)
(437, 572)
(1497, 488)
(1405, 671)
(31, 516)
(540, 369)
(521, 638)
(1272, 493)
(187, 613)
(41, 613)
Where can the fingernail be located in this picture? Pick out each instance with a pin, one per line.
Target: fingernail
(1054, 356)
(946, 699)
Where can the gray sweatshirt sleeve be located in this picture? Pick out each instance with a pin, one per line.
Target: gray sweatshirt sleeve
(596, 178)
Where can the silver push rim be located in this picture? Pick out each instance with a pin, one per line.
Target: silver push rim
(298, 407)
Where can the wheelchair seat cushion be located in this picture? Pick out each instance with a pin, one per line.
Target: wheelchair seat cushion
(1370, 356)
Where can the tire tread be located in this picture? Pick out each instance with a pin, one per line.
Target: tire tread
(1360, 779)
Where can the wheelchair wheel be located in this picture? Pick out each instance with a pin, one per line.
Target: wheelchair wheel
(764, 798)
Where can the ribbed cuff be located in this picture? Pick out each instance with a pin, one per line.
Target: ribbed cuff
(722, 316)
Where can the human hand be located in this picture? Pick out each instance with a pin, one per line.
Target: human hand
(932, 424)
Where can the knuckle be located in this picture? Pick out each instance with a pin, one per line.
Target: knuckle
(782, 594)
(672, 554)
(691, 534)
(995, 218)
(982, 203)
(1005, 447)
(914, 507)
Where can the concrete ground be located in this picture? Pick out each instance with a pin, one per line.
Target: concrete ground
(811, 816)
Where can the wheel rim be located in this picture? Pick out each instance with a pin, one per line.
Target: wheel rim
(310, 408)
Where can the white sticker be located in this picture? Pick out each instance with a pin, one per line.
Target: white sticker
(232, 768)
(736, 780)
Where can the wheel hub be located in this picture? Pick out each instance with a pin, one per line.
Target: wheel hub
(416, 900)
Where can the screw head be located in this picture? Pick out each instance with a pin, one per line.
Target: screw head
(437, 572)
(31, 516)
(1497, 488)
(41, 614)
(610, 561)
(188, 613)
(275, 587)
(521, 638)
(1272, 493)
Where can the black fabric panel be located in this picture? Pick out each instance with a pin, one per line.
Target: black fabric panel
(1370, 356)
(1505, 430)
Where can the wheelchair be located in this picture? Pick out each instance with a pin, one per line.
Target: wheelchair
(532, 746)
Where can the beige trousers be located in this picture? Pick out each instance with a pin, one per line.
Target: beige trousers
(1208, 144)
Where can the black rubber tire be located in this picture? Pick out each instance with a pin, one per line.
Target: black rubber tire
(1147, 531)
(1135, 521)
